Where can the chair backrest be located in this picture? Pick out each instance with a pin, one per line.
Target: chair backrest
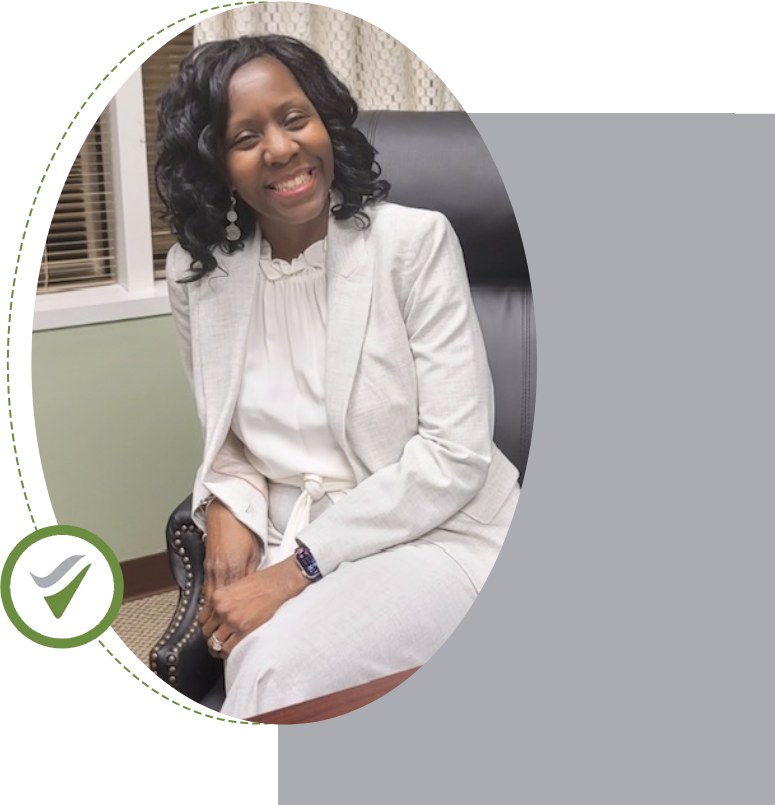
(438, 161)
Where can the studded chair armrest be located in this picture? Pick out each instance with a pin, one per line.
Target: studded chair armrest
(180, 657)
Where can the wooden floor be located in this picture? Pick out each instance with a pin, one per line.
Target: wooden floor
(335, 704)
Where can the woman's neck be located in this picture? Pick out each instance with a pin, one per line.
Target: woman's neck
(288, 242)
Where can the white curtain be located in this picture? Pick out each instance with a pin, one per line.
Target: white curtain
(379, 71)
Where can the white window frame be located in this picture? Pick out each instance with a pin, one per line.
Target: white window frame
(136, 294)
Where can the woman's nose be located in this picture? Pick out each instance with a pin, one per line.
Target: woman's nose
(279, 145)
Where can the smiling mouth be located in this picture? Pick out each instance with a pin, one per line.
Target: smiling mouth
(295, 184)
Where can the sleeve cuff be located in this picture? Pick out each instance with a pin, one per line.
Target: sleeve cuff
(245, 503)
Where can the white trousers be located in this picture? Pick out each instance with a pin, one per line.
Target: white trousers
(382, 614)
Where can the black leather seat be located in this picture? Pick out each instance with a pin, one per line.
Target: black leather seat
(435, 160)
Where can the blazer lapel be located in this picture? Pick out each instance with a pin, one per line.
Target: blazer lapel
(224, 307)
(350, 275)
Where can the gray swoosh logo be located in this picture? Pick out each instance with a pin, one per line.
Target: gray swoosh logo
(54, 576)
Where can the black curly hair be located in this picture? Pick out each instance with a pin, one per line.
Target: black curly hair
(190, 174)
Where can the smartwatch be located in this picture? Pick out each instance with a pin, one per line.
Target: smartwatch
(307, 564)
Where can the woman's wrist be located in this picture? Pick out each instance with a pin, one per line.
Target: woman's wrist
(295, 580)
(232, 550)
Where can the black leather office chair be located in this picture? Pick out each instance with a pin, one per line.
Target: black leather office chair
(435, 160)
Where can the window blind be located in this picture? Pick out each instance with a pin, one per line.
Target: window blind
(80, 248)
(158, 72)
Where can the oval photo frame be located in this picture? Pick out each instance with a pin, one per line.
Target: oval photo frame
(505, 269)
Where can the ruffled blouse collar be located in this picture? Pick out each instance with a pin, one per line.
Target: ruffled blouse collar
(313, 258)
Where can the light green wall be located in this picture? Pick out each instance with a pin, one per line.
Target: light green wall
(117, 431)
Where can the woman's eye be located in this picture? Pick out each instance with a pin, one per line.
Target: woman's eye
(244, 140)
(296, 122)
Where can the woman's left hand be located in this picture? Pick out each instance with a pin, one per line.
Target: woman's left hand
(241, 607)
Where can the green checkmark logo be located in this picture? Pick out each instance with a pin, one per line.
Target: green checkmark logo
(76, 574)
(58, 602)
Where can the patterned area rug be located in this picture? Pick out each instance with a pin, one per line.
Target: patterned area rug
(141, 623)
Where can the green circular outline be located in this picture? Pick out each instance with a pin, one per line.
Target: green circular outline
(57, 531)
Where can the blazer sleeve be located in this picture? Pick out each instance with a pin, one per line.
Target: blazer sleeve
(445, 464)
(230, 478)
(177, 263)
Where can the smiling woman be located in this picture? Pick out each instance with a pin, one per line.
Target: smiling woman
(279, 156)
(212, 141)
(350, 491)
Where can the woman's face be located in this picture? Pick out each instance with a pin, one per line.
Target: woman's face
(278, 155)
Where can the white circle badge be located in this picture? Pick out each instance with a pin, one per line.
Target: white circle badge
(62, 586)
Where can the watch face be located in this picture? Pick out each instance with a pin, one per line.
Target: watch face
(307, 563)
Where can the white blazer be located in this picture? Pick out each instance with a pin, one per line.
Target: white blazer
(408, 390)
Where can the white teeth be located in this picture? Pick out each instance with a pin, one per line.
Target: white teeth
(301, 179)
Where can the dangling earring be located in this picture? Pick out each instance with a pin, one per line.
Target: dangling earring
(232, 230)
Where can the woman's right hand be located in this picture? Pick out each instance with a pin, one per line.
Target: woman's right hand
(232, 551)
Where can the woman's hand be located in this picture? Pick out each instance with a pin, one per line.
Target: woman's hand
(232, 552)
(241, 607)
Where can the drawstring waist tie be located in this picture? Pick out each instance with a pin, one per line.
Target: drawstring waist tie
(312, 487)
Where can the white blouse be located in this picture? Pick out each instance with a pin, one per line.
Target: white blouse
(280, 414)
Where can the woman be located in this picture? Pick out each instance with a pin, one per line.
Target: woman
(352, 497)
